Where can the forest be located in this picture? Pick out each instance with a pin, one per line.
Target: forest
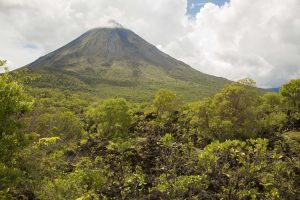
(241, 143)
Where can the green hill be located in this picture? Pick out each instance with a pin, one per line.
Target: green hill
(109, 62)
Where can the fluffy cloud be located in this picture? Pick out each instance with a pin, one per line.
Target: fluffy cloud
(245, 38)
(242, 38)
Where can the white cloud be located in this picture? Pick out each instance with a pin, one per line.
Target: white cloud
(242, 38)
(259, 39)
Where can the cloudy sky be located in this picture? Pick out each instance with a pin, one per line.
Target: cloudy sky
(233, 39)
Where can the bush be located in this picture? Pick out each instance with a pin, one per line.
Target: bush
(111, 118)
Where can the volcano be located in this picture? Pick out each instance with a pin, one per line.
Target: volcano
(121, 62)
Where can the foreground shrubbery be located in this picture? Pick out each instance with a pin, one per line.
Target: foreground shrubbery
(234, 145)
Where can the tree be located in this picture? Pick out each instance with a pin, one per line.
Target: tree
(203, 112)
(164, 101)
(199, 117)
(271, 115)
(291, 93)
(14, 102)
(247, 82)
(235, 112)
(111, 118)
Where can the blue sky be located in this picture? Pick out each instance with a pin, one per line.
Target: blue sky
(194, 6)
(30, 46)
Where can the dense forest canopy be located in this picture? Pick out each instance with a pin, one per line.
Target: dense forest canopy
(60, 144)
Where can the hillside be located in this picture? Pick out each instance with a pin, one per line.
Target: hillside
(117, 62)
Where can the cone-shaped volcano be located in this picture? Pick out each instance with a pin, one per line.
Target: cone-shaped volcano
(119, 57)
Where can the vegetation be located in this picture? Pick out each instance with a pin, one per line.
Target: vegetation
(66, 144)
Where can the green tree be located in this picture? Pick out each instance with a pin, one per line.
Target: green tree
(291, 93)
(14, 102)
(165, 101)
(202, 112)
(111, 118)
(199, 117)
(271, 115)
(235, 112)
